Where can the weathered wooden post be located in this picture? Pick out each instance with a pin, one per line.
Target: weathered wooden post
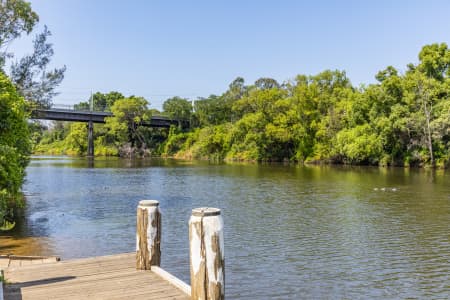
(148, 235)
(207, 254)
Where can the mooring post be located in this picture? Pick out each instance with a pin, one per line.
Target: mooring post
(90, 138)
(207, 254)
(148, 235)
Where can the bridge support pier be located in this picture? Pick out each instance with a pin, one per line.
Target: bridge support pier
(90, 151)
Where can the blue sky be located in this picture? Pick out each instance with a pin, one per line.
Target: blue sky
(159, 49)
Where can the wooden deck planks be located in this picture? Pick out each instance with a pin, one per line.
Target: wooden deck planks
(18, 261)
(108, 277)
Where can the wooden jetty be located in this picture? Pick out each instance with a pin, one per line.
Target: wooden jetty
(106, 277)
(22, 260)
(134, 275)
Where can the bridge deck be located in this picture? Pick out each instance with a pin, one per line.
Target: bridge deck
(107, 277)
(99, 117)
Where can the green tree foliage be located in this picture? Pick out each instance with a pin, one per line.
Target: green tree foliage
(236, 89)
(266, 84)
(76, 142)
(30, 74)
(215, 110)
(37, 130)
(125, 125)
(15, 146)
(178, 108)
(16, 18)
(29, 80)
(101, 102)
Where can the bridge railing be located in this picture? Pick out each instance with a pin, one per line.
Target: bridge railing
(83, 108)
(71, 107)
(77, 107)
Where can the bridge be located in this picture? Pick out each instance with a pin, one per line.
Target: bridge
(59, 112)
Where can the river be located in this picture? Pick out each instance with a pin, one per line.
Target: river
(308, 232)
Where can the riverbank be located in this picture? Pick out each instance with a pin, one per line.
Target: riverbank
(25, 245)
(188, 156)
(61, 148)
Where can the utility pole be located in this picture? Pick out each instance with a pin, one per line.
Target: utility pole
(90, 152)
(91, 103)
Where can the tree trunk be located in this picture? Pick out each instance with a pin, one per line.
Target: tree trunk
(430, 143)
(424, 96)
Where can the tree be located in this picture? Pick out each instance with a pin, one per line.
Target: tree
(213, 110)
(426, 89)
(30, 81)
(101, 102)
(30, 74)
(178, 108)
(425, 98)
(435, 61)
(76, 140)
(236, 89)
(129, 114)
(358, 145)
(16, 18)
(266, 83)
(15, 147)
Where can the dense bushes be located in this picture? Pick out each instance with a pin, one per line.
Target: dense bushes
(15, 146)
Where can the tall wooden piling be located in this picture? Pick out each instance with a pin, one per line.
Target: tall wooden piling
(148, 235)
(207, 260)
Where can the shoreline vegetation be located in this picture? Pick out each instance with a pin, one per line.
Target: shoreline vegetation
(402, 120)
(27, 83)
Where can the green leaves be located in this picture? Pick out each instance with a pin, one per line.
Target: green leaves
(124, 126)
(76, 141)
(102, 102)
(15, 146)
(178, 108)
(357, 145)
(435, 61)
(16, 18)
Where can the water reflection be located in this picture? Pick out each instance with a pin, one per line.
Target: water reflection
(291, 231)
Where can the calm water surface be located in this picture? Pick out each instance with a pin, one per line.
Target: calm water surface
(290, 232)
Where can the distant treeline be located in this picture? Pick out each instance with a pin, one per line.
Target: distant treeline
(402, 120)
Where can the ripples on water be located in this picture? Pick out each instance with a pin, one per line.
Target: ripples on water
(290, 232)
